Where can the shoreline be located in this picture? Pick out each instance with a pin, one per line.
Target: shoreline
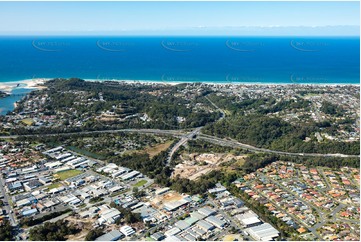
(221, 83)
(37, 83)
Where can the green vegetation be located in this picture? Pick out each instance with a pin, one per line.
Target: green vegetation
(123, 100)
(57, 231)
(86, 153)
(63, 175)
(255, 161)
(28, 121)
(93, 234)
(54, 185)
(128, 215)
(246, 121)
(154, 168)
(331, 109)
(331, 162)
(202, 184)
(273, 133)
(95, 199)
(31, 222)
(199, 146)
(138, 193)
(289, 104)
(140, 183)
(6, 232)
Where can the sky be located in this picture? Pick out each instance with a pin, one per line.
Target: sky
(176, 17)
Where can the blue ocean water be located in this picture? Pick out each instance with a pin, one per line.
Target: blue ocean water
(316, 60)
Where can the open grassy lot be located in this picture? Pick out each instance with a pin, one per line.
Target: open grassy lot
(155, 150)
(54, 185)
(140, 183)
(63, 175)
(28, 121)
(85, 152)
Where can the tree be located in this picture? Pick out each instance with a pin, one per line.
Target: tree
(93, 234)
(53, 231)
(6, 232)
(137, 193)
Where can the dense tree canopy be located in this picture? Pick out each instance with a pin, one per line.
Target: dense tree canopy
(53, 231)
(6, 232)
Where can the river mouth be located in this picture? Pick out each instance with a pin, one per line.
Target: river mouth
(7, 104)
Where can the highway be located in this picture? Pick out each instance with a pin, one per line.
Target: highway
(185, 136)
(184, 139)
(145, 131)
(236, 144)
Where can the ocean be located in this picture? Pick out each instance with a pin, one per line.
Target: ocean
(184, 59)
(280, 60)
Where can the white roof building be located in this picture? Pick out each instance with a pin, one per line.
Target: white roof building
(206, 211)
(216, 221)
(263, 232)
(127, 230)
(109, 216)
(170, 206)
(172, 232)
(130, 175)
(248, 218)
(53, 164)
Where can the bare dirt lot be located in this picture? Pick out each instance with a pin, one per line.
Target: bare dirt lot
(84, 224)
(195, 165)
(155, 150)
(171, 196)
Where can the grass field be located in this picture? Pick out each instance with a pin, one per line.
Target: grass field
(54, 185)
(85, 152)
(155, 150)
(28, 121)
(63, 175)
(35, 144)
(140, 183)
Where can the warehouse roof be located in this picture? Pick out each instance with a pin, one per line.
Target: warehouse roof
(216, 221)
(182, 225)
(207, 211)
(263, 232)
(111, 236)
(205, 225)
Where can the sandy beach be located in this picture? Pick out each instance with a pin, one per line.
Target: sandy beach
(151, 82)
(38, 83)
(28, 84)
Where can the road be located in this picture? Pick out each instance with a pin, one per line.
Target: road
(218, 108)
(145, 131)
(236, 144)
(181, 142)
(185, 137)
(7, 207)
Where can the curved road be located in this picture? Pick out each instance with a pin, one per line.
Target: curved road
(185, 136)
